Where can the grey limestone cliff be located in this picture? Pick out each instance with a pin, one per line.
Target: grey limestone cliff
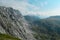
(13, 23)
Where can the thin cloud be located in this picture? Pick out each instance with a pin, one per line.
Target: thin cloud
(45, 2)
(26, 8)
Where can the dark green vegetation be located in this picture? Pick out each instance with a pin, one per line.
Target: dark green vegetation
(46, 29)
(7, 37)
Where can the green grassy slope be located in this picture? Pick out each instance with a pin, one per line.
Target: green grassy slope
(7, 37)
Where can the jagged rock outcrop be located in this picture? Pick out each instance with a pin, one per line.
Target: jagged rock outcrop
(13, 23)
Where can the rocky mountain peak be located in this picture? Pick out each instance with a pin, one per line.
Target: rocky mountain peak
(13, 23)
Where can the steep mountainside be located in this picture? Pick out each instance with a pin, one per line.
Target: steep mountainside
(13, 23)
(46, 29)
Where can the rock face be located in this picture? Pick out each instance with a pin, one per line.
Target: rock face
(13, 23)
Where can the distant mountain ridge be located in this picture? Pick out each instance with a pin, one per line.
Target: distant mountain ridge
(31, 17)
(54, 17)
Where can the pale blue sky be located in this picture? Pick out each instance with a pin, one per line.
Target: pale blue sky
(42, 8)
